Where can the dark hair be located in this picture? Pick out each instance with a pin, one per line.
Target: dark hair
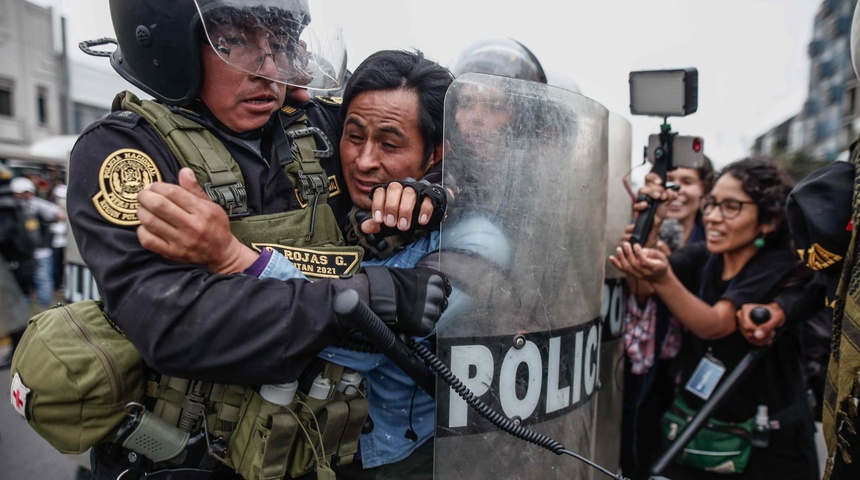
(706, 174)
(768, 185)
(408, 70)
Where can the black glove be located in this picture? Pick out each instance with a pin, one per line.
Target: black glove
(378, 245)
(423, 188)
(390, 239)
(409, 300)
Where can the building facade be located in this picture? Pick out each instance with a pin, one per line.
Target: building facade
(45, 92)
(32, 74)
(830, 118)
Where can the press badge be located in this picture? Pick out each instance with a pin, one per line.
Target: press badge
(706, 377)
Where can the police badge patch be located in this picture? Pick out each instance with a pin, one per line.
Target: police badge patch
(124, 174)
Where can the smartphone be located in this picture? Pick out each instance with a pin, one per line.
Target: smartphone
(687, 151)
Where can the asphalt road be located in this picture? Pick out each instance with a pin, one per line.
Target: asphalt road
(23, 453)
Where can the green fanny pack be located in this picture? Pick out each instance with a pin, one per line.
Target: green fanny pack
(720, 447)
(73, 374)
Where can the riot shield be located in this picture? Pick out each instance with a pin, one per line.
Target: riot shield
(524, 247)
(607, 441)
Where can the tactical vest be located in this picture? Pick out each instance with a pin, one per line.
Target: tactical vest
(263, 440)
(840, 416)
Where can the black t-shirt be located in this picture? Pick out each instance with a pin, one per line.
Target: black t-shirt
(776, 380)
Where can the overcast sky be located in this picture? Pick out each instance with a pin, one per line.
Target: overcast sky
(750, 55)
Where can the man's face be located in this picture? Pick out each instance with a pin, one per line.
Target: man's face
(381, 142)
(241, 101)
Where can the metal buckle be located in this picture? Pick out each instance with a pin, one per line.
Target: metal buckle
(232, 198)
(318, 134)
(311, 184)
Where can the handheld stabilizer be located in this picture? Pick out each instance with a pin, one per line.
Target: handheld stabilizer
(665, 93)
(662, 165)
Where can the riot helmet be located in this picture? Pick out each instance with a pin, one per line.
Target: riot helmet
(159, 43)
(499, 56)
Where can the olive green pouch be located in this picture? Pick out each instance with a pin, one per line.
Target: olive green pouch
(261, 446)
(73, 374)
(322, 422)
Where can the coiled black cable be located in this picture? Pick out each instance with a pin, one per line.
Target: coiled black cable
(348, 305)
(496, 418)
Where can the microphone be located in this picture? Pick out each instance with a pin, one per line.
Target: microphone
(670, 232)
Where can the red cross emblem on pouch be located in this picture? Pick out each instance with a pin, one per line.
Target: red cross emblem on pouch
(18, 395)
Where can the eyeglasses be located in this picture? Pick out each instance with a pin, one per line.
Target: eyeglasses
(729, 208)
(249, 57)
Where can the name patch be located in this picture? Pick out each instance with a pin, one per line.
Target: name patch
(124, 174)
(328, 263)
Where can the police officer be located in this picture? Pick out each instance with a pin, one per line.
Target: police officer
(228, 67)
(396, 98)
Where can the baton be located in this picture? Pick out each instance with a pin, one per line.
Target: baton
(348, 305)
(758, 315)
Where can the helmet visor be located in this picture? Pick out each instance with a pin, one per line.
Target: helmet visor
(275, 39)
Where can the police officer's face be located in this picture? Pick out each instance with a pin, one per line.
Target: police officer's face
(381, 142)
(242, 102)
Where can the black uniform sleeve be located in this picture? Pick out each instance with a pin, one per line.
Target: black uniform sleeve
(184, 320)
(804, 299)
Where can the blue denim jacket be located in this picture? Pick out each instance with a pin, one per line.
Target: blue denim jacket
(398, 406)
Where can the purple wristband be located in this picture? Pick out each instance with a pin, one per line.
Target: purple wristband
(259, 264)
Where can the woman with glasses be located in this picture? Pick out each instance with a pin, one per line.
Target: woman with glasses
(745, 258)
